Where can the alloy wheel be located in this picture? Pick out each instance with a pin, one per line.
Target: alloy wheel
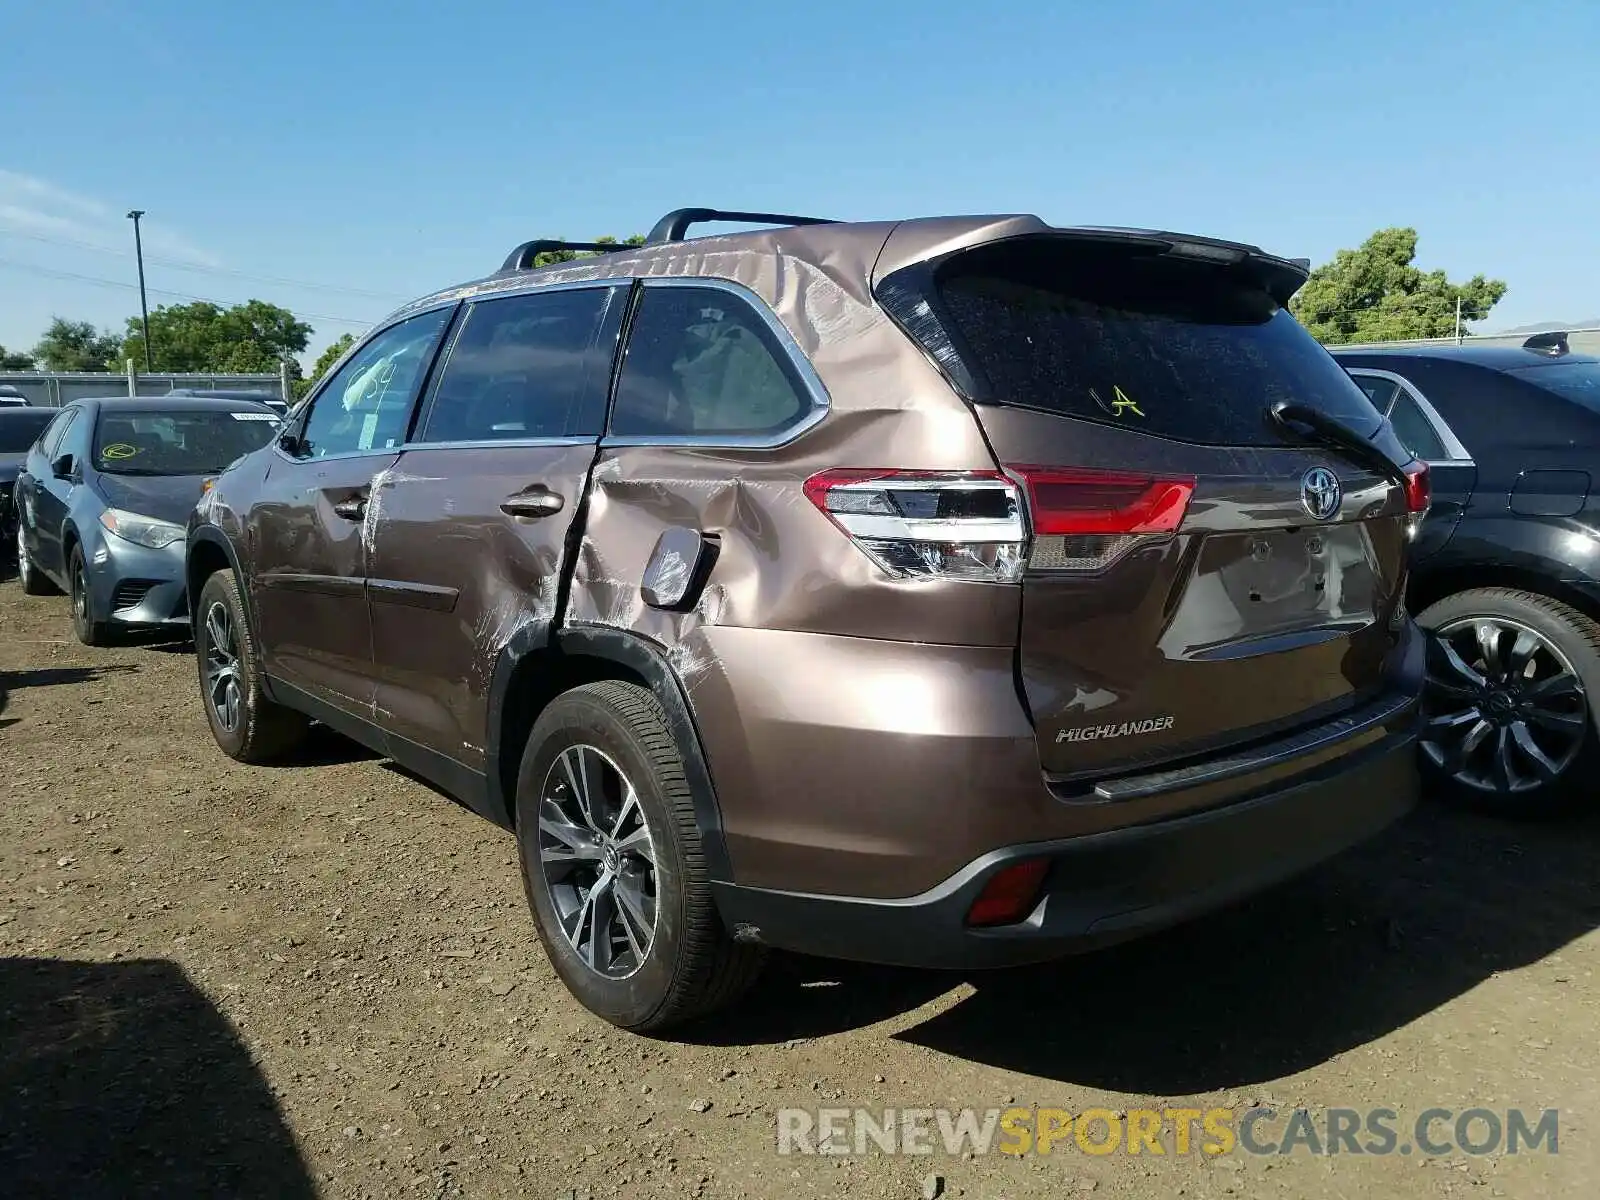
(24, 567)
(1504, 710)
(80, 598)
(598, 861)
(223, 691)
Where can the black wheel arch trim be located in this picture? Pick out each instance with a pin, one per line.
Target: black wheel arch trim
(643, 658)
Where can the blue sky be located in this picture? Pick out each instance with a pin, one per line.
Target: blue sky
(379, 151)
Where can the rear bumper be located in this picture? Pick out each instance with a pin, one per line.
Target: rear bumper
(1104, 887)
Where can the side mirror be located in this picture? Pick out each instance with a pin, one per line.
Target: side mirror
(289, 441)
(62, 467)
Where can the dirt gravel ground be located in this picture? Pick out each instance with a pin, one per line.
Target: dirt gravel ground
(218, 980)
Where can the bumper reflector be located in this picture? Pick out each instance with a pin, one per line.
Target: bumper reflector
(1010, 894)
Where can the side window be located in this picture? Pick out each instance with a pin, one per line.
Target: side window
(367, 404)
(702, 362)
(1415, 431)
(50, 439)
(519, 369)
(1379, 390)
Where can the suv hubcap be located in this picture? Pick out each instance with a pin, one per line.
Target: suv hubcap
(24, 567)
(598, 860)
(222, 667)
(1505, 711)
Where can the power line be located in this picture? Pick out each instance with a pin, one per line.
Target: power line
(117, 283)
(203, 269)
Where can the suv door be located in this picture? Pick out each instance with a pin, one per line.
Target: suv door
(309, 528)
(470, 527)
(1452, 473)
(42, 498)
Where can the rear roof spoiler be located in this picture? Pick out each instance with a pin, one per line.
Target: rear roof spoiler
(675, 224)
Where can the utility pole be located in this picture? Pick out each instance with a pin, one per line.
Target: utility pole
(1458, 320)
(144, 307)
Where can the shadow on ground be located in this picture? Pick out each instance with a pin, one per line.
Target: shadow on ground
(55, 676)
(1335, 960)
(121, 1079)
(1331, 961)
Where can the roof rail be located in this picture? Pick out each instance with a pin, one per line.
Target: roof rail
(672, 227)
(1553, 343)
(522, 257)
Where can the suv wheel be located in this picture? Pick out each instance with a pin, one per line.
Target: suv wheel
(90, 631)
(1509, 725)
(613, 866)
(248, 726)
(34, 582)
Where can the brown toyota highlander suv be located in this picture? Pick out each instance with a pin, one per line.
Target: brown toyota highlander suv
(953, 592)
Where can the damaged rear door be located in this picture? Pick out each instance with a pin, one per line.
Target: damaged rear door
(470, 525)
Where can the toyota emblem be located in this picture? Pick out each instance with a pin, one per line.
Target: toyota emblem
(1321, 493)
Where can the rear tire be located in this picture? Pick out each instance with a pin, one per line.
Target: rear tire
(90, 631)
(619, 837)
(1513, 679)
(34, 582)
(248, 727)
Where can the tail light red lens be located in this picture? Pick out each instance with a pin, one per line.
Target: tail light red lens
(1103, 502)
(1010, 894)
(1419, 490)
(1084, 520)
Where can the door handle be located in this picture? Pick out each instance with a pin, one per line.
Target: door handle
(538, 501)
(351, 508)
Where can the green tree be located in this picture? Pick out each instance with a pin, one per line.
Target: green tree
(1375, 294)
(560, 256)
(253, 337)
(334, 352)
(15, 360)
(77, 346)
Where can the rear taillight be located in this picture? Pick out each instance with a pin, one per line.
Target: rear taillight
(928, 524)
(971, 524)
(1419, 493)
(1084, 520)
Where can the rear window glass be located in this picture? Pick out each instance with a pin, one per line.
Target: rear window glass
(1579, 381)
(18, 431)
(1177, 349)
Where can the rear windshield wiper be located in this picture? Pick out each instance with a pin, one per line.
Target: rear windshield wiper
(1336, 435)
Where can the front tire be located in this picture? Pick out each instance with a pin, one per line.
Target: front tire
(247, 726)
(90, 631)
(614, 866)
(34, 582)
(1509, 707)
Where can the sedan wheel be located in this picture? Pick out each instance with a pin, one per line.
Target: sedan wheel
(1506, 707)
(598, 860)
(1509, 713)
(29, 576)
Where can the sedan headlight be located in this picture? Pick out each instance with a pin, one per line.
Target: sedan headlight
(143, 531)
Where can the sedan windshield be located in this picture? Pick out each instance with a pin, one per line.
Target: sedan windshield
(178, 441)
